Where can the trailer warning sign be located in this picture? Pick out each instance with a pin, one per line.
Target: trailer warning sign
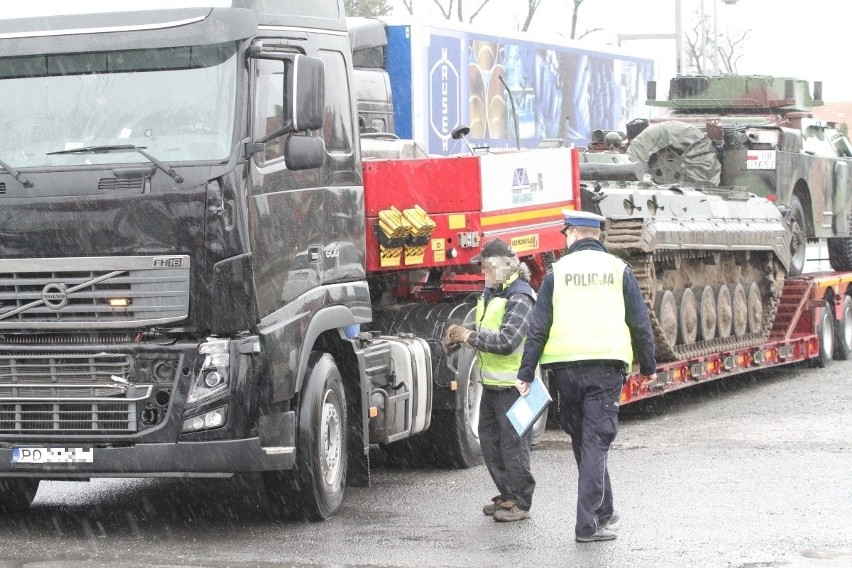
(524, 243)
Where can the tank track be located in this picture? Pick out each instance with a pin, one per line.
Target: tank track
(624, 239)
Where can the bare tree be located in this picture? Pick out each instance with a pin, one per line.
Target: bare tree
(701, 44)
(447, 9)
(574, 22)
(409, 5)
(532, 6)
(368, 8)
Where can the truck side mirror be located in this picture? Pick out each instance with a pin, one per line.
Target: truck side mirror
(304, 93)
(303, 152)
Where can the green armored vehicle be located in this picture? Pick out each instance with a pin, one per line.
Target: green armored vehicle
(755, 133)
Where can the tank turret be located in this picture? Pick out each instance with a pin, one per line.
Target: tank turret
(738, 94)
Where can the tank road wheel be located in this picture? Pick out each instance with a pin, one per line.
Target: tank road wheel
(321, 462)
(687, 321)
(724, 312)
(755, 309)
(798, 240)
(16, 493)
(666, 310)
(707, 314)
(825, 334)
(740, 310)
(843, 331)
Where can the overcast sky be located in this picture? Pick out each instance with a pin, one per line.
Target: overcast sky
(808, 42)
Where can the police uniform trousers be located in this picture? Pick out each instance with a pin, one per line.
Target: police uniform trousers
(588, 412)
(506, 455)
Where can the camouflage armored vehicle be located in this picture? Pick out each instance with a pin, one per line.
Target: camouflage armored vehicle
(711, 262)
(757, 134)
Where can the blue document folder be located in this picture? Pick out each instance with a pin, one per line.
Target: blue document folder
(528, 408)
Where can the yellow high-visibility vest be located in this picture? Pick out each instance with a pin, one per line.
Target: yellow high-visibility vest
(588, 310)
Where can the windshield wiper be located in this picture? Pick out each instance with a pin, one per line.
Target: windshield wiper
(16, 174)
(121, 148)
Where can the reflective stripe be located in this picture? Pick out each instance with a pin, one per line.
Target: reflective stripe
(588, 310)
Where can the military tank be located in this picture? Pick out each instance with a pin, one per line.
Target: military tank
(755, 133)
(710, 262)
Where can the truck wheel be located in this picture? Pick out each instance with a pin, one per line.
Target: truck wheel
(825, 334)
(840, 253)
(843, 331)
(321, 457)
(541, 424)
(456, 436)
(799, 240)
(17, 493)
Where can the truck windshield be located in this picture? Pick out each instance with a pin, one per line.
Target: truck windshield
(179, 103)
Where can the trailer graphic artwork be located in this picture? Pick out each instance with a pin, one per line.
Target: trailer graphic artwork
(559, 91)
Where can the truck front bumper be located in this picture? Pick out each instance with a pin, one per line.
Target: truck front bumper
(220, 458)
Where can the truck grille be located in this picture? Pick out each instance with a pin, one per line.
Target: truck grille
(67, 418)
(108, 292)
(68, 394)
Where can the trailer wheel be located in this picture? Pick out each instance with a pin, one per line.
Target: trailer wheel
(17, 493)
(322, 458)
(843, 331)
(825, 334)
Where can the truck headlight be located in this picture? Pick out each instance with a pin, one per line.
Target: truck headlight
(211, 375)
(210, 419)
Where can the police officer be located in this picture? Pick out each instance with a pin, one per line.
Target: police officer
(589, 320)
(498, 334)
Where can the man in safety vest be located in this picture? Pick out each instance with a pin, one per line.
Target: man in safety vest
(589, 320)
(502, 320)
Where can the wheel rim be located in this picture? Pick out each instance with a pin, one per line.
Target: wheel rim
(666, 166)
(827, 339)
(847, 327)
(798, 248)
(331, 438)
(755, 309)
(724, 312)
(474, 395)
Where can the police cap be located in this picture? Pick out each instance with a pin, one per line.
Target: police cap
(581, 219)
(492, 249)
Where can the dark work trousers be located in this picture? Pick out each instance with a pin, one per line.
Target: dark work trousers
(506, 455)
(588, 412)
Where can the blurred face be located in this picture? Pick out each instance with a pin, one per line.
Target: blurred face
(495, 271)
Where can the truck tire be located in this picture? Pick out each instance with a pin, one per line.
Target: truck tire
(843, 331)
(799, 241)
(16, 493)
(321, 462)
(825, 334)
(840, 253)
(456, 432)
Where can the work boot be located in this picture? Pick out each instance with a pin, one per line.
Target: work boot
(601, 534)
(611, 522)
(508, 512)
(491, 507)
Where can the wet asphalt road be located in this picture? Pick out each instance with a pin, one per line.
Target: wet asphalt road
(749, 472)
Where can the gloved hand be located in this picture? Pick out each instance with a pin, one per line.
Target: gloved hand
(456, 334)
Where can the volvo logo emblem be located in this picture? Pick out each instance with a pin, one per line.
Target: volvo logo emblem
(54, 296)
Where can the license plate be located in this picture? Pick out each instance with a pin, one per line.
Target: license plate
(760, 160)
(52, 455)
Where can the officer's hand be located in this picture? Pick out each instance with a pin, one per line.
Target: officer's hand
(456, 334)
(522, 386)
(647, 380)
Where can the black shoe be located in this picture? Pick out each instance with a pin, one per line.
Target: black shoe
(601, 534)
(611, 522)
